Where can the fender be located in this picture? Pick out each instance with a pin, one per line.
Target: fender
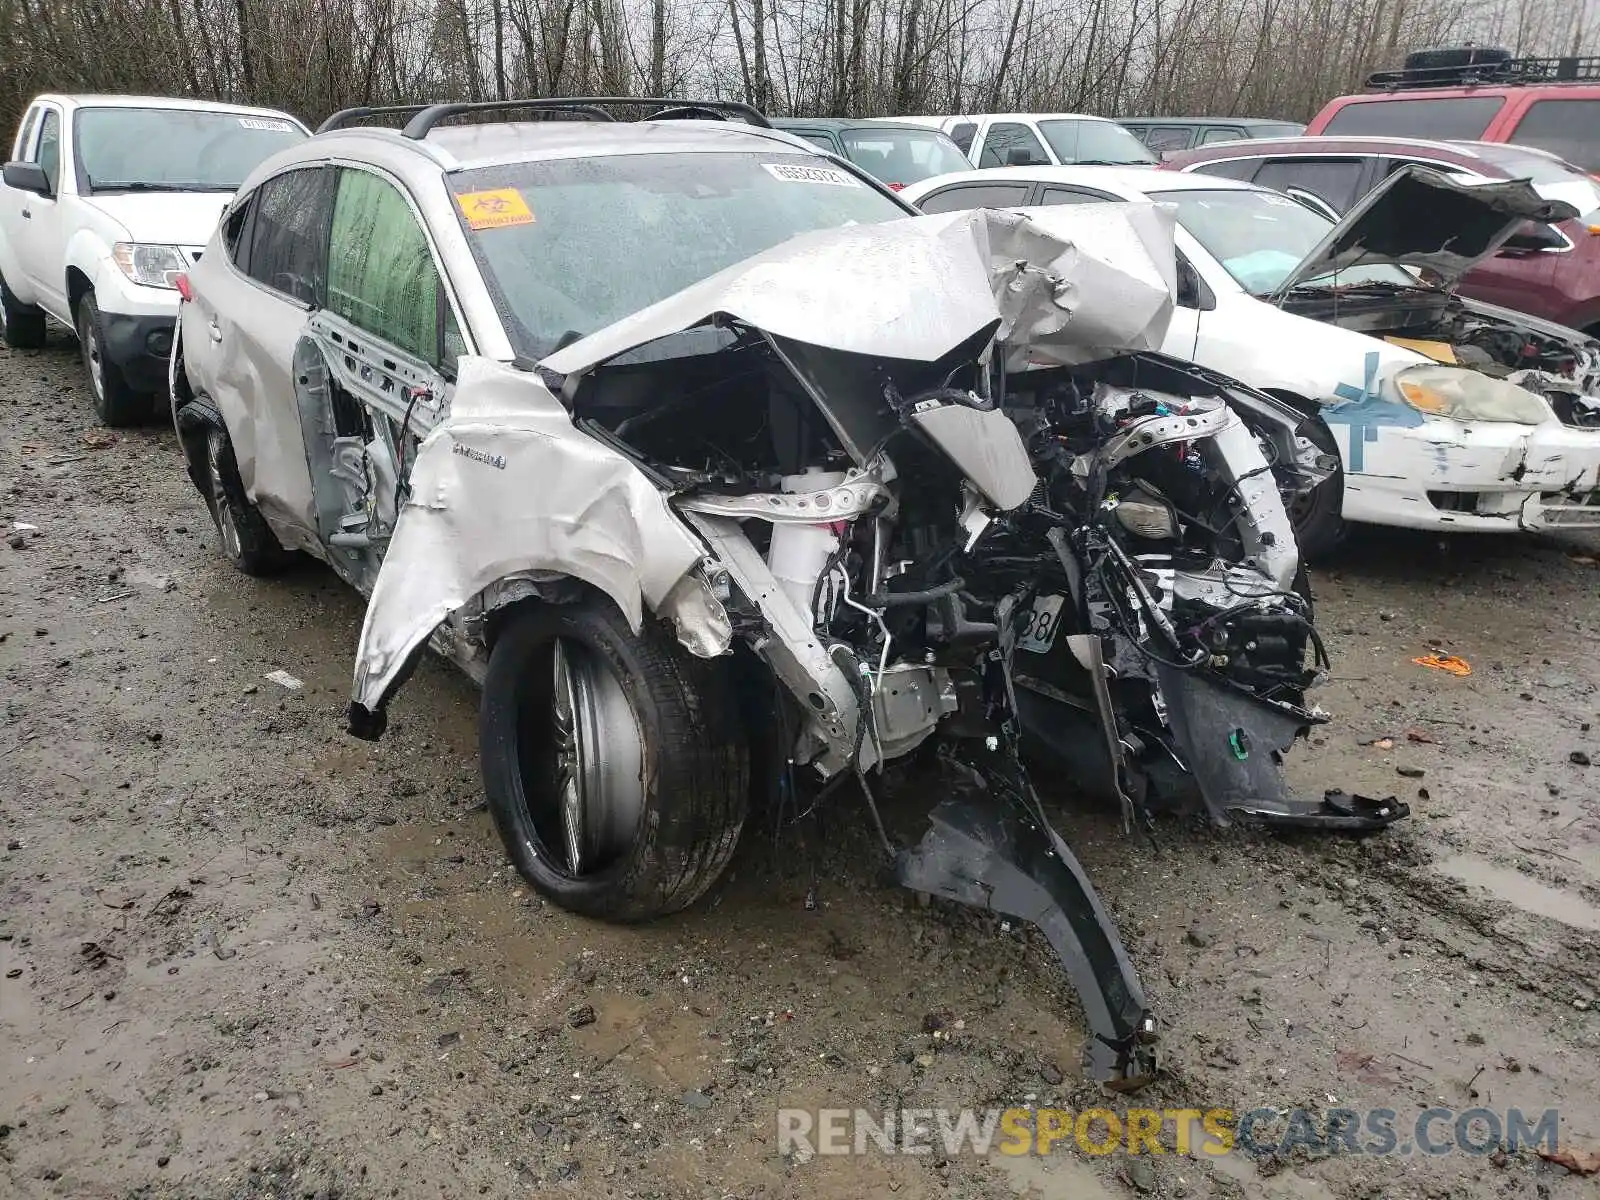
(506, 489)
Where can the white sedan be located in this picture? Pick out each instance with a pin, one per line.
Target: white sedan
(1445, 413)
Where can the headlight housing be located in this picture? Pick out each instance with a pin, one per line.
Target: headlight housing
(150, 265)
(1463, 395)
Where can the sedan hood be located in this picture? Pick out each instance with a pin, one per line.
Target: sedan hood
(1422, 218)
(1062, 285)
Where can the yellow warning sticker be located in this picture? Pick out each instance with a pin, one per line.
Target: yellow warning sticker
(495, 210)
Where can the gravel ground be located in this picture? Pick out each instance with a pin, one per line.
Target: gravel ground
(243, 955)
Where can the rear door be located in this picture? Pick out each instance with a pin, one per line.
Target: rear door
(960, 197)
(248, 314)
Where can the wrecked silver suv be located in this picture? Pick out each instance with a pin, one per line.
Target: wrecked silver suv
(705, 458)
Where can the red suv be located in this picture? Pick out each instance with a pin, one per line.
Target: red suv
(1549, 271)
(1481, 94)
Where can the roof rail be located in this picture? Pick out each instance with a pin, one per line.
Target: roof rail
(349, 116)
(1513, 72)
(718, 110)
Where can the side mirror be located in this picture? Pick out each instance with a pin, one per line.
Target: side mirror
(28, 177)
(1532, 237)
(1021, 156)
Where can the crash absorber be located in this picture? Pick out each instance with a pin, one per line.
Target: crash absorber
(799, 553)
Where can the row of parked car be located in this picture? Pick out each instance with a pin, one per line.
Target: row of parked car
(736, 474)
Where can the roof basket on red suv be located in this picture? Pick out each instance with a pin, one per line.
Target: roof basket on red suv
(1465, 66)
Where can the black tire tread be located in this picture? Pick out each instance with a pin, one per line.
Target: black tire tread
(24, 323)
(117, 404)
(261, 554)
(1324, 531)
(695, 757)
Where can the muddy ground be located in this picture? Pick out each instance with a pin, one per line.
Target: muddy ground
(242, 955)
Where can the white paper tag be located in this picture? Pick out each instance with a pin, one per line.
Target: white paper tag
(267, 125)
(1039, 634)
(793, 173)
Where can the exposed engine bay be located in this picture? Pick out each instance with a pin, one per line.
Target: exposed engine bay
(1557, 363)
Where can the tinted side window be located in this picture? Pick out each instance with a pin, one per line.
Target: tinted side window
(233, 233)
(1006, 137)
(1335, 180)
(288, 242)
(1231, 168)
(1065, 195)
(26, 131)
(1165, 138)
(1221, 134)
(1438, 119)
(1570, 128)
(48, 153)
(976, 195)
(961, 134)
(381, 274)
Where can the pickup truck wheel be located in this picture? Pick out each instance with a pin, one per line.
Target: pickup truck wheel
(247, 540)
(115, 402)
(614, 763)
(1316, 516)
(21, 324)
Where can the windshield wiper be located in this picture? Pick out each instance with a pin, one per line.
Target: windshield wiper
(143, 185)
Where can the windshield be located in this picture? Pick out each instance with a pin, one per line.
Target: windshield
(1094, 142)
(175, 149)
(568, 246)
(902, 156)
(1259, 238)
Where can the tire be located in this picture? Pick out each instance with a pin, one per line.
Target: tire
(22, 325)
(642, 811)
(1317, 517)
(115, 402)
(247, 540)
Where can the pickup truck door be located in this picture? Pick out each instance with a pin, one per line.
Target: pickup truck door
(34, 226)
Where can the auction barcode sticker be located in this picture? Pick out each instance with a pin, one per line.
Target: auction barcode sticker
(264, 123)
(792, 173)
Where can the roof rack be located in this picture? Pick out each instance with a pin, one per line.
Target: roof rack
(1484, 67)
(424, 117)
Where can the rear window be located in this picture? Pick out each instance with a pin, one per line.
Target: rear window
(1570, 128)
(1443, 118)
(902, 156)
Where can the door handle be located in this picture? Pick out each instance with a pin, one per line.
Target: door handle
(26, 215)
(215, 330)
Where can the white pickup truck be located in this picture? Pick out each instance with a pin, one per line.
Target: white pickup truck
(106, 201)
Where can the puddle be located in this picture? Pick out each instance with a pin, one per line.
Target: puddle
(1236, 1166)
(1521, 892)
(1052, 1177)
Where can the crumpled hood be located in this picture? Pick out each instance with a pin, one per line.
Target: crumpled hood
(164, 218)
(1065, 284)
(1420, 217)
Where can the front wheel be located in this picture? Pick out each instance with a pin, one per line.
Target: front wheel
(115, 402)
(613, 763)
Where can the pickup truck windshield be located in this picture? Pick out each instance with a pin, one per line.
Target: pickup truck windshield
(568, 246)
(1094, 142)
(174, 149)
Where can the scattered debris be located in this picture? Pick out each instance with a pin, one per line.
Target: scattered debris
(1579, 1162)
(446, 1040)
(99, 439)
(580, 1016)
(284, 680)
(116, 596)
(1384, 743)
(695, 1098)
(1422, 736)
(1411, 772)
(1445, 662)
(1578, 758)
